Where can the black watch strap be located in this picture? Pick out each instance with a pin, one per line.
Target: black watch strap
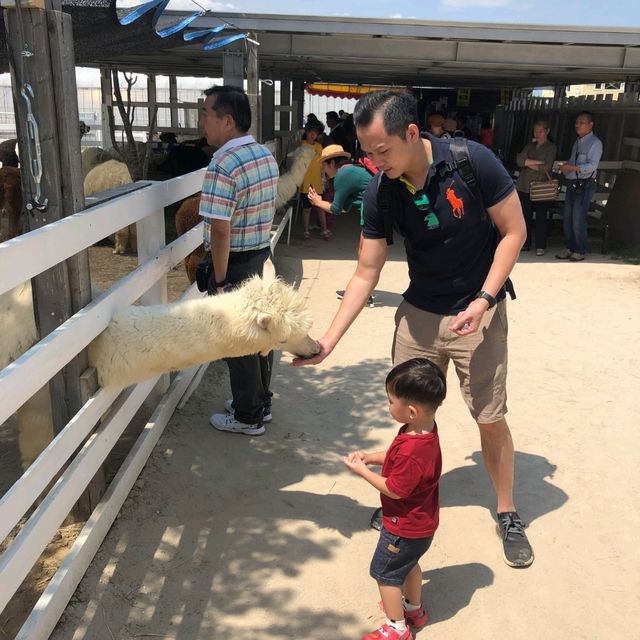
(224, 283)
(486, 296)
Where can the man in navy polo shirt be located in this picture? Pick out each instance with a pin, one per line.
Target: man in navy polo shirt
(461, 247)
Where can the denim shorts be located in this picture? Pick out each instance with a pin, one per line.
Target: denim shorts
(395, 556)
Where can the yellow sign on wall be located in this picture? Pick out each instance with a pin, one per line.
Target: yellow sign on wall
(464, 96)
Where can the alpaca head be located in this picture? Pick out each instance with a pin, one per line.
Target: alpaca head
(279, 310)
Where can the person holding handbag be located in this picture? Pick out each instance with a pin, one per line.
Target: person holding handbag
(535, 162)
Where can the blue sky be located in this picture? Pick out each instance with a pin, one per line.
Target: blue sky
(600, 14)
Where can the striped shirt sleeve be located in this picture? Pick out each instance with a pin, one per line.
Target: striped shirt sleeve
(219, 194)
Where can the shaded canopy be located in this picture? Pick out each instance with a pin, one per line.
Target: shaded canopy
(360, 50)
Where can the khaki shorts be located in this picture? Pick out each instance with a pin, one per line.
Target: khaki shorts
(480, 358)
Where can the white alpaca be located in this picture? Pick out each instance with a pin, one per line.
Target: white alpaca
(17, 334)
(93, 156)
(289, 182)
(259, 316)
(109, 175)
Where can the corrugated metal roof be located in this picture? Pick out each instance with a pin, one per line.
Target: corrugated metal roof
(361, 50)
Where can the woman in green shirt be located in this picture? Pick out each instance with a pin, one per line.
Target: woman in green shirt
(349, 182)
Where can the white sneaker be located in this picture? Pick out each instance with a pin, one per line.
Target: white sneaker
(228, 407)
(225, 422)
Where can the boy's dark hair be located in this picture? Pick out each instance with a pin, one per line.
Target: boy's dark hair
(232, 101)
(417, 380)
(398, 111)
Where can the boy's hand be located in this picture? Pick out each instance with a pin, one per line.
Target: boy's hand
(362, 455)
(355, 463)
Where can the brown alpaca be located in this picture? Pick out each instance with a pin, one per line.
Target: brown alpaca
(10, 203)
(188, 217)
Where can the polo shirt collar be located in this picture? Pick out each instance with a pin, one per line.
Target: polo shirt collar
(232, 144)
(439, 154)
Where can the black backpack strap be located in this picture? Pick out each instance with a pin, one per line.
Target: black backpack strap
(462, 160)
(461, 163)
(384, 190)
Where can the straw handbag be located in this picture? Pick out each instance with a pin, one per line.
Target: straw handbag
(544, 190)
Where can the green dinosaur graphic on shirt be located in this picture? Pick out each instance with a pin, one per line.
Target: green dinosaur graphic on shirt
(422, 202)
(432, 221)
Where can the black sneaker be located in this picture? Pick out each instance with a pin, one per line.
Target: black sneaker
(517, 550)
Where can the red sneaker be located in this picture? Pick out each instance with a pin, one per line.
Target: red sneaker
(385, 632)
(417, 618)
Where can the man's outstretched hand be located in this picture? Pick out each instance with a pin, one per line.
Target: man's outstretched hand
(323, 352)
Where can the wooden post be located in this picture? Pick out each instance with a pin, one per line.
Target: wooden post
(233, 68)
(106, 90)
(285, 100)
(173, 99)
(298, 100)
(267, 104)
(48, 79)
(152, 97)
(252, 89)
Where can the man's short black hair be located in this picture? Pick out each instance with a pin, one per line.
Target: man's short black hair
(398, 110)
(333, 114)
(588, 115)
(231, 101)
(418, 380)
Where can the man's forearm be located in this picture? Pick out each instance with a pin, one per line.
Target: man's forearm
(505, 258)
(355, 297)
(220, 255)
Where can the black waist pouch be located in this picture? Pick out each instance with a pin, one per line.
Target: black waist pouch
(204, 272)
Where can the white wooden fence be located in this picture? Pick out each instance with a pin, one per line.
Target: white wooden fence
(21, 259)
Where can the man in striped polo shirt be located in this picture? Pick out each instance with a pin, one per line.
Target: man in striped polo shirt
(237, 204)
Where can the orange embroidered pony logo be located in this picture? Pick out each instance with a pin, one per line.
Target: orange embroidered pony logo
(457, 204)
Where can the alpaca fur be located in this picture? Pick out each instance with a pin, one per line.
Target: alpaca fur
(10, 203)
(91, 157)
(17, 334)
(17, 324)
(109, 175)
(8, 155)
(257, 317)
(187, 217)
(289, 182)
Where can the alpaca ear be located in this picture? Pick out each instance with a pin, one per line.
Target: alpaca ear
(263, 320)
(268, 273)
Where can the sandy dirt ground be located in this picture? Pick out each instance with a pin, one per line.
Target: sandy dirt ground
(230, 537)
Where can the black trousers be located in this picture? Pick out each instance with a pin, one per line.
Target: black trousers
(250, 376)
(541, 209)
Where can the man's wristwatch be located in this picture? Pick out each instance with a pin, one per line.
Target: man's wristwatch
(486, 296)
(222, 285)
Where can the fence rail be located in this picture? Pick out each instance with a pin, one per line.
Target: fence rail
(78, 451)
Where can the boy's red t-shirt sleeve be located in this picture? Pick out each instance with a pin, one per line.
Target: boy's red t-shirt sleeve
(405, 477)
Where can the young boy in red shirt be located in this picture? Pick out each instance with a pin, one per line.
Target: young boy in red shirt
(408, 485)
